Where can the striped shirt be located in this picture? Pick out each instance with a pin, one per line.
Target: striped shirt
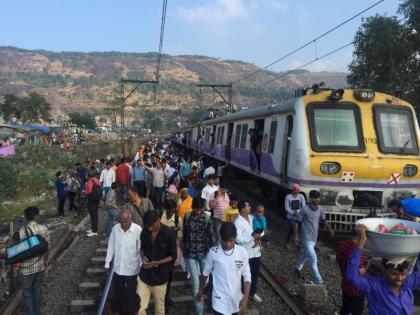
(222, 202)
(35, 264)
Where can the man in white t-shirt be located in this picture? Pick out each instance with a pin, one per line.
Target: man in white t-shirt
(208, 191)
(228, 263)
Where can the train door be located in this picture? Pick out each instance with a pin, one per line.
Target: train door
(229, 142)
(213, 139)
(286, 147)
(256, 144)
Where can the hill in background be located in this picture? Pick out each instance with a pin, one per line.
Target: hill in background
(75, 81)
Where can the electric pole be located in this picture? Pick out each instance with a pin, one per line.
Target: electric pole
(125, 97)
(216, 87)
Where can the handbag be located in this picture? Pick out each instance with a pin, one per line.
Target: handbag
(32, 246)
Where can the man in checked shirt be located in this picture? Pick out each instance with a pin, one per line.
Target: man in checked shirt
(32, 270)
(353, 300)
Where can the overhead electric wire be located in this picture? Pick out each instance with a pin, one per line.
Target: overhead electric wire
(308, 63)
(316, 59)
(162, 32)
(307, 44)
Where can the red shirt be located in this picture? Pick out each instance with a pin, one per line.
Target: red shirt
(343, 253)
(123, 174)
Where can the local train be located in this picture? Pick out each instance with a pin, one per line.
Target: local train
(359, 148)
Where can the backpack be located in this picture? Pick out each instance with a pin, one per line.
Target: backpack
(74, 186)
(96, 193)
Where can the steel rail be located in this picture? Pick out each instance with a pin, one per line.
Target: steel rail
(294, 304)
(11, 306)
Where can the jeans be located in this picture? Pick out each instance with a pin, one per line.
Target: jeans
(196, 266)
(105, 191)
(122, 193)
(254, 266)
(217, 224)
(141, 187)
(93, 213)
(72, 196)
(309, 253)
(157, 195)
(112, 216)
(61, 202)
(31, 292)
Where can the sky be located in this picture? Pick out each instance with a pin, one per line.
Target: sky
(255, 31)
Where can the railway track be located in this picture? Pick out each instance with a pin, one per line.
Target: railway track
(292, 302)
(12, 305)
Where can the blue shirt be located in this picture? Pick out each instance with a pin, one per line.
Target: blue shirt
(191, 191)
(259, 223)
(381, 300)
(310, 222)
(139, 174)
(82, 174)
(61, 188)
(185, 169)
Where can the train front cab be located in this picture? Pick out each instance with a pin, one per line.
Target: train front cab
(361, 153)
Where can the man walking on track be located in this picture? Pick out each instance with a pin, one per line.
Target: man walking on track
(32, 270)
(94, 195)
(123, 179)
(158, 253)
(228, 263)
(312, 214)
(124, 250)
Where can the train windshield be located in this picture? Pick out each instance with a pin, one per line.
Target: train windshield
(335, 129)
(395, 130)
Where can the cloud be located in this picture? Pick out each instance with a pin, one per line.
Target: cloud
(271, 4)
(317, 66)
(218, 14)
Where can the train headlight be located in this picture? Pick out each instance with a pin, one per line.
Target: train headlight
(410, 170)
(328, 197)
(363, 95)
(344, 200)
(330, 167)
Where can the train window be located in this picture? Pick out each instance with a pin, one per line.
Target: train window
(335, 128)
(244, 134)
(237, 135)
(222, 134)
(395, 129)
(272, 139)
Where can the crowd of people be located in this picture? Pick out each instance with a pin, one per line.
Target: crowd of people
(166, 210)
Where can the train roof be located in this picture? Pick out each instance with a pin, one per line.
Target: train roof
(261, 111)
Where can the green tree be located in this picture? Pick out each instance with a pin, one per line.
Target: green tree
(83, 120)
(35, 108)
(10, 107)
(380, 57)
(28, 109)
(387, 54)
(411, 11)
